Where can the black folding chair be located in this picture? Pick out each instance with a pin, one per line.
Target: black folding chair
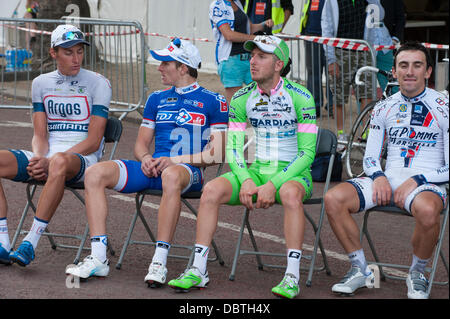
(138, 213)
(394, 210)
(326, 145)
(113, 132)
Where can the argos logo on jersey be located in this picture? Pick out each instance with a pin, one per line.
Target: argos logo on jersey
(67, 108)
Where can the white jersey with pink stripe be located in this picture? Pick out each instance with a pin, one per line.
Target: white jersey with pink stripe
(277, 119)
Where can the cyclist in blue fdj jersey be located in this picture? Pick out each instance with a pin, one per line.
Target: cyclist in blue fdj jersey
(70, 111)
(415, 124)
(188, 124)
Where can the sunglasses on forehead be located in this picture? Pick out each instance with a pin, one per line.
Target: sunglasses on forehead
(72, 35)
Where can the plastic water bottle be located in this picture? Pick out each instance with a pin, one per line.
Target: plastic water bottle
(10, 60)
(20, 60)
(27, 62)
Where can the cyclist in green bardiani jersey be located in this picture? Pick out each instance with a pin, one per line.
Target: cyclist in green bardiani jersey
(282, 114)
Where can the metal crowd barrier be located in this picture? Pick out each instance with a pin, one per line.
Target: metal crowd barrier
(120, 55)
(117, 51)
(310, 68)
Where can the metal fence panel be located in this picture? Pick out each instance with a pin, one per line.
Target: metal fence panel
(117, 51)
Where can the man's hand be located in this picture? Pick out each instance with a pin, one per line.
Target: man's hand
(147, 166)
(268, 23)
(38, 168)
(403, 191)
(248, 189)
(382, 191)
(161, 163)
(266, 195)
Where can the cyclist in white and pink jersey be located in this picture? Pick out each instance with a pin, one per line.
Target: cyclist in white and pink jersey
(70, 111)
(414, 123)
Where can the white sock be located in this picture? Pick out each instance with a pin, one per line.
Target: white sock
(201, 257)
(36, 231)
(4, 237)
(418, 264)
(99, 245)
(293, 262)
(161, 252)
(357, 258)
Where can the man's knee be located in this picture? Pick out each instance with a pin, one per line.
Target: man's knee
(172, 179)
(292, 196)
(58, 164)
(427, 216)
(216, 191)
(98, 175)
(211, 192)
(337, 200)
(331, 201)
(93, 176)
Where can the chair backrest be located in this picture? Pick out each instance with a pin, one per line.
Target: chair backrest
(113, 130)
(326, 142)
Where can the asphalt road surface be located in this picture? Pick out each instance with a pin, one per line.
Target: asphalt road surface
(44, 278)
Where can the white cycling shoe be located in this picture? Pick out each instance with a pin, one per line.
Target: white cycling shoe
(157, 274)
(417, 285)
(353, 280)
(89, 267)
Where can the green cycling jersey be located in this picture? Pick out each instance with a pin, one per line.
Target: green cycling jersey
(284, 126)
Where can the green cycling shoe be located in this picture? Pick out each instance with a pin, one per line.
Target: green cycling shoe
(191, 278)
(287, 288)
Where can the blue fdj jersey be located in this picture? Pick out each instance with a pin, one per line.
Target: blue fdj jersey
(184, 118)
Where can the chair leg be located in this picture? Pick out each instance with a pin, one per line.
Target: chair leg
(24, 213)
(127, 240)
(444, 262)
(138, 200)
(365, 232)
(436, 255)
(30, 204)
(83, 241)
(144, 222)
(252, 238)
(317, 243)
(238, 247)
(213, 244)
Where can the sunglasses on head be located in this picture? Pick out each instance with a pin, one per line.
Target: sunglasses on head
(269, 41)
(176, 42)
(72, 35)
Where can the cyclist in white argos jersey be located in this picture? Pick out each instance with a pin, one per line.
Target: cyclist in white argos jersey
(70, 111)
(414, 123)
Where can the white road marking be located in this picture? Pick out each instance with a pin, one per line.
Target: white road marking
(15, 124)
(259, 234)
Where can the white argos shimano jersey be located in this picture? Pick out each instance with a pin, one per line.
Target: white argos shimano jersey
(416, 130)
(69, 102)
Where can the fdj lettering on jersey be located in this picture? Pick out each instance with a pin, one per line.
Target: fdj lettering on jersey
(181, 117)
